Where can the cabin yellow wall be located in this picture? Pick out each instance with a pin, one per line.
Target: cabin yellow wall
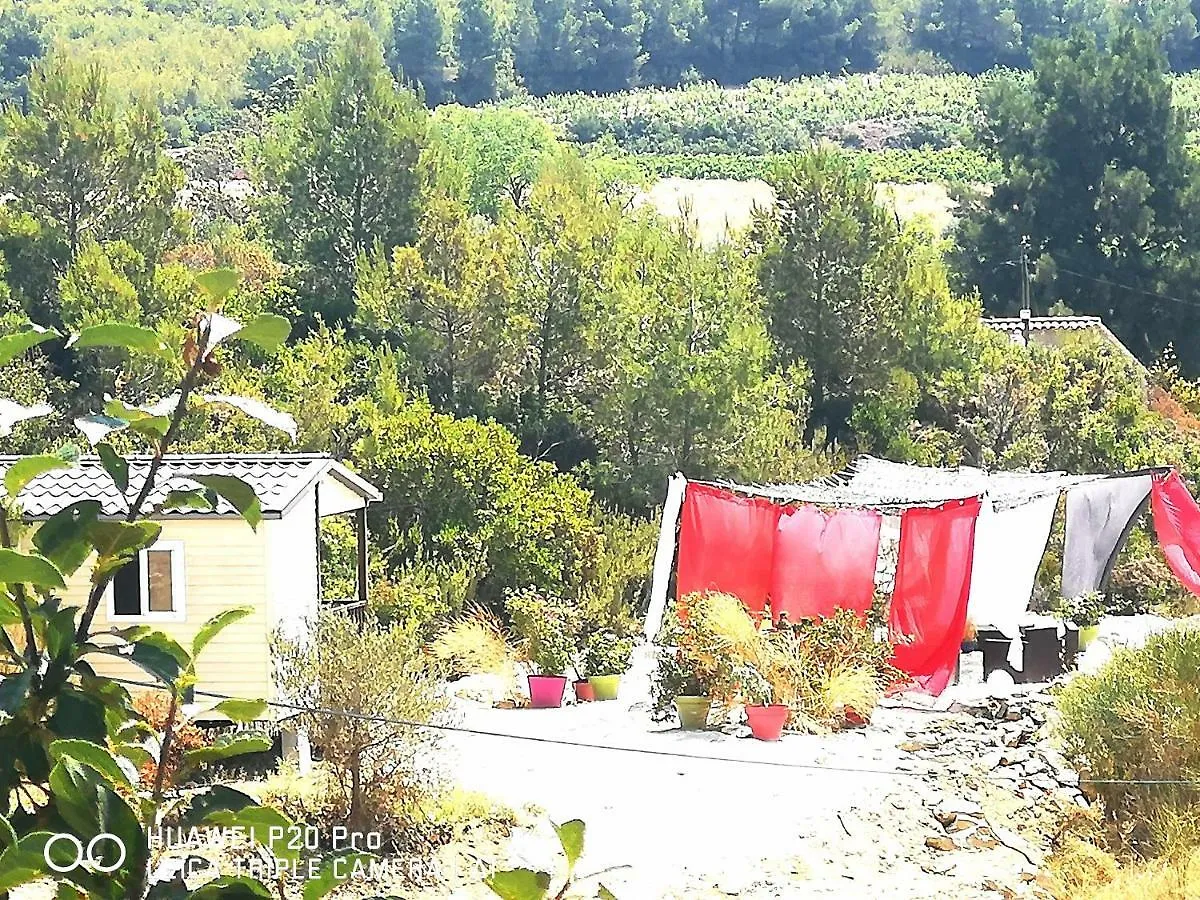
(225, 566)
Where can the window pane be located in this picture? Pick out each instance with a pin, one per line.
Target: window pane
(127, 589)
(158, 572)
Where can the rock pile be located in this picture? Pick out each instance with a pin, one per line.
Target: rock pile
(1007, 776)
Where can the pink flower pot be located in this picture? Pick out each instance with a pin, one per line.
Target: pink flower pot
(766, 722)
(546, 691)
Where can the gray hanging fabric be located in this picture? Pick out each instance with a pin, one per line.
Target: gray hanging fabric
(1099, 516)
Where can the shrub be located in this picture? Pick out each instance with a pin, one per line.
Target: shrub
(1142, 582)
(1137, 719)
(475, 643)
(606, 653)
(461, 492)
(1085, 610)
(155, 708)
(379, 768)
(548, 627)
(423, 594)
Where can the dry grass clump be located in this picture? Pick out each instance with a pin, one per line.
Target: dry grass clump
(1082, 871)
(474, 643)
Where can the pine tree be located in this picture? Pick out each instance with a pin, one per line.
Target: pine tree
(418, 36)
(478, 53)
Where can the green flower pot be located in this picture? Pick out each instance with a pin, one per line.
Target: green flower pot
(605, 686)
(693, 712)
(1087, 634)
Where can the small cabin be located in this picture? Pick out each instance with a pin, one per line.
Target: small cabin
(209, 561)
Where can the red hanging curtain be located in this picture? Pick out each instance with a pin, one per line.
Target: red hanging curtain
(1177, 524)
(726, 544)
(933, 581)
(824, 561)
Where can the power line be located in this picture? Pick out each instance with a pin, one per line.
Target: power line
(1128, 287)
(644, 751)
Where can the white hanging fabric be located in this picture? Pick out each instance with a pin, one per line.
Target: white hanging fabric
(664, 556)
(1009, 544)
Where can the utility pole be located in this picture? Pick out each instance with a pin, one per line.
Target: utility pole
(1026, 312)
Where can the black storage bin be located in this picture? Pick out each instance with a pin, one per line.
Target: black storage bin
(1046, 655)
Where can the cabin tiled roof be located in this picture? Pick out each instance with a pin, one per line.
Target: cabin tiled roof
(278, 479)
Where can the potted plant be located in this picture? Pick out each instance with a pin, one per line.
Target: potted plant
(548, 627)
(606, 656)
(677, 687)
(765, 718)
(583, 690)
(1086, 611)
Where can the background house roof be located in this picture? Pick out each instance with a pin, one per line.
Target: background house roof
(1045, 329)
(279, 479)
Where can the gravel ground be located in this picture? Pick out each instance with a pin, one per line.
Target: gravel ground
(840, 815)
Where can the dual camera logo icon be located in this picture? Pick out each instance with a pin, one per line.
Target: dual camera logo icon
(95, 857)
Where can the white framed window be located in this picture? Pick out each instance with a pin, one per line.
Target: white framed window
(150, 588)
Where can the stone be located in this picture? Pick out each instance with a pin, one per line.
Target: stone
(1014, 757)
(913, 746)
(982, 839)
(941, 842)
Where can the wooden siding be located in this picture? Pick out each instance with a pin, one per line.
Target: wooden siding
(225, 566)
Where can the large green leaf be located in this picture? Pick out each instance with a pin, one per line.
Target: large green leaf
(115, 465)
(65, 538)
(13, 690)
(334, 871)
(8, 837)
(267, 331)
(228, 749)
(13, 345)
(239, 494)
(28, 568)
(24, 470)
(256, 409)
(155, 653)
(89, 806)
(96, 427)
(229, 887)
(118, 542)
(570, 835)
(78, 714)
(11, 413)
(152, 424)
(217, 284)
(520, 884)
(93, 756)
(214, 799)
(216, 625)
(197, 499)
(134, 338)
(242, 710)
(265, 826)
(26, 861)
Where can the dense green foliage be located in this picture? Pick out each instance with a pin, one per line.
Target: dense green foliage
(1110, 221)
(1134, 720)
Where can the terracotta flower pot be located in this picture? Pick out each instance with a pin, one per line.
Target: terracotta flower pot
(766, 722)
(693, 712)
(546, 691)
(605, 687)
(583, 691)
